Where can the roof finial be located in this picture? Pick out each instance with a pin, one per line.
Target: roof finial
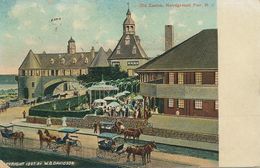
(128, 10)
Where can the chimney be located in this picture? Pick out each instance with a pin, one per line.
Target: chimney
(92, 53)
(168, 37)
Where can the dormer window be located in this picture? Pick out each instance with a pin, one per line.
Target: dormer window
(134, 50)
(118, 50)
(74, 60)
(52, 61)
(86, 60)
(62, 61)
(127, 40)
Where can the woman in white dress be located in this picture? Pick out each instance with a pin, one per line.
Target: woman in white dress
(64, 124)
(48, 121)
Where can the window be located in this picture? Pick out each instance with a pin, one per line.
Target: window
(127, 40)
(216, 78)
(198, 78)
(170, 102)
(198, 104)
(33, 95)
(33, 84)
(180, 78)
(180, 103)
(134, 50)
(132, 63)
(52, 72)
(171, 78)
(216, 105)
(118, 50)
(115, 63)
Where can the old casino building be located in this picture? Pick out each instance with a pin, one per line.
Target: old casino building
(184, 78)
(41, 73)
(128, 53)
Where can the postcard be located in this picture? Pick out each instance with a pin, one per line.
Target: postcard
(109, 83)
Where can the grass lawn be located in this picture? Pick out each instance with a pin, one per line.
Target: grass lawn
(189, 124)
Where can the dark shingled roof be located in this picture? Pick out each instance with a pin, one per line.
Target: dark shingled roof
(100, 59)
(61, 60)
(198, 52)
(126, 50)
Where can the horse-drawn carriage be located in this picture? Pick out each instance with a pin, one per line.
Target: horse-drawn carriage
(9, 135)
(111, 127)
(55, 142)
(110, 146)
(68, 141)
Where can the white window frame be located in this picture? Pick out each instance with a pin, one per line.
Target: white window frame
(216, 105)
(171, 77)
(180, 78)
(216, 78)
(198, 104)
(181, 104)
(198, 78)
(170, 103)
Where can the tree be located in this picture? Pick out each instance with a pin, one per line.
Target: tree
(108, 73)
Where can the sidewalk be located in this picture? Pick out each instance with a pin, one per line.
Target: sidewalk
(162, 140)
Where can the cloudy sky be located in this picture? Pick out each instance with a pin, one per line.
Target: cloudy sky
(26, 24)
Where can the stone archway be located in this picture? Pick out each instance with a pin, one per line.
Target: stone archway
(50, 86)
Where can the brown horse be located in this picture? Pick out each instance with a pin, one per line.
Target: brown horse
(132, 132)
(44, 138)
(52, 137)
(135, 150)
(149, 148)
(18, 135)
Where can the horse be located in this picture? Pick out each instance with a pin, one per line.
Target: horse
(143, 151)
(118, 127)
(18, 135)
(149, 148)
(132, 132)
(136, 151)
(52, 137)
(44, 138)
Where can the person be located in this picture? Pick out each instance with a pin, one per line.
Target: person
(177, 112)
(48, 121)
(64, 124)
(95, 126)
(24, 114)
(126, 111)
(8, 133)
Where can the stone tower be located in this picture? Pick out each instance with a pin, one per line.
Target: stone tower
(168, 37)
(71, 46)
(129, 24)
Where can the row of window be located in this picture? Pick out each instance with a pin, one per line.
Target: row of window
(180, 77)
(198, 104)
(60, 72)
(132, 63)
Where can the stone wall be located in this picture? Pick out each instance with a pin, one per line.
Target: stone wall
(87, 122)
(192, 136)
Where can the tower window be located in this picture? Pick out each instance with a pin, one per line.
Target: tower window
(127, 40)
(134, 50)
(118, 50)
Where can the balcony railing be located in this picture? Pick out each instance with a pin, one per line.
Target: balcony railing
(186, 91)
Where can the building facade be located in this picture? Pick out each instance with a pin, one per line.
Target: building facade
(128, 53)
(184, 79)
(40, 74)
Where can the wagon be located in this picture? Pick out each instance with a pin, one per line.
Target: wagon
(110, 146)
(107, 127)
(6, 132)
(73, 141)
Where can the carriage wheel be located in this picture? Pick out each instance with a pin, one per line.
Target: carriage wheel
(77, 146)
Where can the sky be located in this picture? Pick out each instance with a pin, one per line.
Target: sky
(26, 24)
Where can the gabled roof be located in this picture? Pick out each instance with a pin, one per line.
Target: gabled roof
(100, 59)
(198, 52)
(31, 61)
(60, 60)
(126, 50)
(109, 52)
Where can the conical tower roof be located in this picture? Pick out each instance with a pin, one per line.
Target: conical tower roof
(30, 62)
(100, 59)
